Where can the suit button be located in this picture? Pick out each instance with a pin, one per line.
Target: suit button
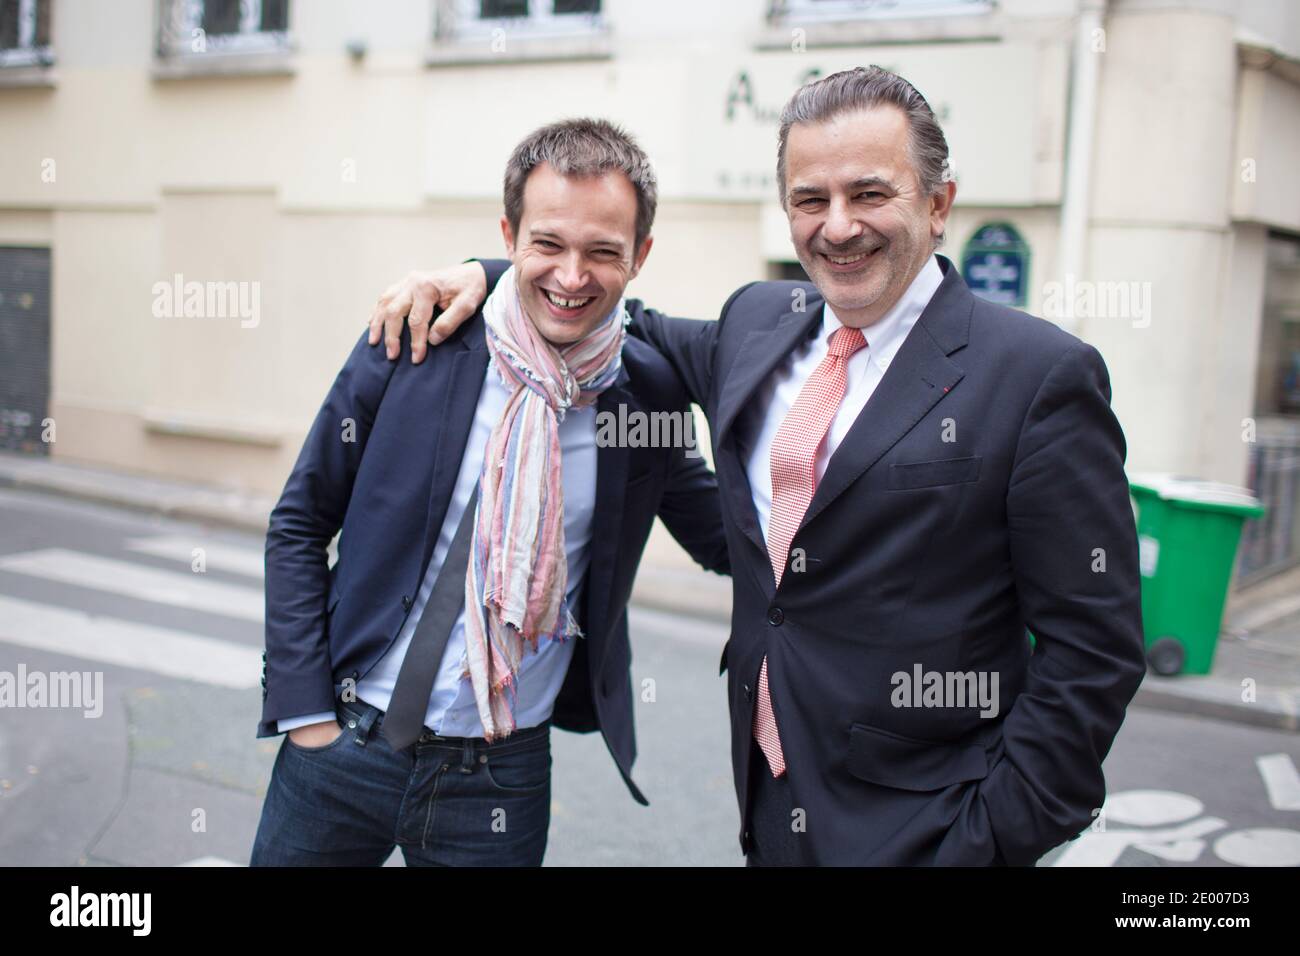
(775, 617)
(406, 603)
(749, 692)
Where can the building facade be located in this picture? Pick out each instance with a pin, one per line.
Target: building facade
(200, 199)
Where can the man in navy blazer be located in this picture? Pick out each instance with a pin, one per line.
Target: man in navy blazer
(390, 462)
(931, 667)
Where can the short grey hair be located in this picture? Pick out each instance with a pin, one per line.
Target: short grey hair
(865, 88)
(582, 147)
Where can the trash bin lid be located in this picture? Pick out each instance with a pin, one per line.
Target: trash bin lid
(1195, 491)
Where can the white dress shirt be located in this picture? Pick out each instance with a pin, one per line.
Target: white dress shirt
(866, 368)
(452, 711)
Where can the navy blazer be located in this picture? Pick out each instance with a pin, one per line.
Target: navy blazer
(979, 493)
(380, 464)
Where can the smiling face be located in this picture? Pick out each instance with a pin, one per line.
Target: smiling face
(575, 251)
(860, 224)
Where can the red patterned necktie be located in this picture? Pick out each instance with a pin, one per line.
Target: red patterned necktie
(794, 479)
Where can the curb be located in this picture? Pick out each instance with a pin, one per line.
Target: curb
(228, 509)
(1274, 709)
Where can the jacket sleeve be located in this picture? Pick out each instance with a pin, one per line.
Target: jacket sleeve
(494, 269)
(298, 678)
(689, 346)
(1074, 557)
(691, 508)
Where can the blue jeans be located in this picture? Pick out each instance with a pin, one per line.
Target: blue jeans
(446, 801)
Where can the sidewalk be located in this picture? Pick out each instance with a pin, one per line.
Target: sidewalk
(173, 499)
(1256, 677)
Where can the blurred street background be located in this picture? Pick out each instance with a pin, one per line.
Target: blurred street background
(101, 579)
(200, 201)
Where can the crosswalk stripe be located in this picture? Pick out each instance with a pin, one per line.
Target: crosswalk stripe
(181, 589)
(217, 556)
(140, 646)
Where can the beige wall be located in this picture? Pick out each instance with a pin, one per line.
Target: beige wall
(325, 185)
(1176, 116)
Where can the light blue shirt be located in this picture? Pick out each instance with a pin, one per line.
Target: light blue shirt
(452, 711)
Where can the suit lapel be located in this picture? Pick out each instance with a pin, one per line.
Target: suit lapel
(607, 521)
(464, 384)
(920, 375)
(759, 354)
(762, 351)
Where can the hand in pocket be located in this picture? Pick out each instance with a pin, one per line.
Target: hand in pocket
(316, 735)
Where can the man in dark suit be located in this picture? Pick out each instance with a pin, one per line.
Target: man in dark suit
(371, 663)
(936, 621)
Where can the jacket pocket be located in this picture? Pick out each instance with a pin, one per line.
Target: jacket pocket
(904, 763)
(928, 474)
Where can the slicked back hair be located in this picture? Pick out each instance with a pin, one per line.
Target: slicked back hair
(865, 88)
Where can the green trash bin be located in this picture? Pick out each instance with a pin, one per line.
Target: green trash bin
(1188, 532)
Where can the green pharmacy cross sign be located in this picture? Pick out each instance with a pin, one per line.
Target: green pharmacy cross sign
(995, 264)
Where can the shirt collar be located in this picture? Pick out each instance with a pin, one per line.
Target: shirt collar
(885, 337)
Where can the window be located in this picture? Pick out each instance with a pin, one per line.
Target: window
(814, 11)
(1278, 376)
(197, 27)
(25, 33)
(484, 19)
(1272, 543)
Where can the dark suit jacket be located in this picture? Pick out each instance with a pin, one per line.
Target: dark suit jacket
(388, 490)
(979, 493)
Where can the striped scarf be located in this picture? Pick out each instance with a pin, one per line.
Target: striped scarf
(516, 586)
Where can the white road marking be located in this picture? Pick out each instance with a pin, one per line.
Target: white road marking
(1261, 846)
(140, 646)
(180, 589)
(217, 555)
(1104, 849)
(1149, 808)
(1280, 780)
(210, 861)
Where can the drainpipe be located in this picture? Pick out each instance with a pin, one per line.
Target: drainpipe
(1078, 154)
